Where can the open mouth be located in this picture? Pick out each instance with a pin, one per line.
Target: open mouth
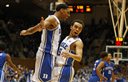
(75, 32)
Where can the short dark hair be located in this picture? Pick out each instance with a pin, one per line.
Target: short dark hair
(2, 46)
(103, 54)
(79, 21)
(61, 6)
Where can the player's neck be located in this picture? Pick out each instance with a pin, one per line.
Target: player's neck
(57, 15)
(103, 59)
(70, 36)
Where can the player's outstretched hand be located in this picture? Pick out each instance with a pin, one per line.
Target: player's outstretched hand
(23, 32)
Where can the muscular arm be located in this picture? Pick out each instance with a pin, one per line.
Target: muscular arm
(99, 68)
(31, 30)
(48, 23)
(79, 52)
(10, 63)
(98, 71)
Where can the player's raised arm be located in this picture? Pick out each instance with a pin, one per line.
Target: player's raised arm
(48, 23)
(33, 29)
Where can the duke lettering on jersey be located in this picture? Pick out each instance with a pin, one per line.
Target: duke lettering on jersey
(63, 46)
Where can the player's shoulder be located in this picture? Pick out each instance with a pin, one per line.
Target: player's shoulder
(79, 41)
(51, 18)
(8, 55)
(98, 60)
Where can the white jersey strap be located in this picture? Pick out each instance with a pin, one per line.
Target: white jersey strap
(56, 19)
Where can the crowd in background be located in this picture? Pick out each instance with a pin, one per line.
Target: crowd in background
(26, 47)
(120, 71)
(20, 46)
(81, 75)
(12, 76)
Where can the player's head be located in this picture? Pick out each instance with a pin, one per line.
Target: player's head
(77, 26)
(109, 56)
(2, 46)
(104, 55)
(63, 10)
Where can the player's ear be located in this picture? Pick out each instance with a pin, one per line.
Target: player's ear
(71, 27)
(61, 10)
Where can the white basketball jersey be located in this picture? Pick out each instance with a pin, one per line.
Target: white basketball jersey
(65, 46)
(50, 39)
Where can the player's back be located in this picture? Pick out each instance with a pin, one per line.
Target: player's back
(94, 77)
(2, 63)
(2, 59)
(95, 66)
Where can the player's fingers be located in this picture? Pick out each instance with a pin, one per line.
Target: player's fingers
(63, 55)
(42, 18)
(22, 32)
(42, 21)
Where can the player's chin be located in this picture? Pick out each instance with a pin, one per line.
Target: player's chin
(75, 35)
(65, 19)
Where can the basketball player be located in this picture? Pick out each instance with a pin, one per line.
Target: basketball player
(5, 58)
(51, 31)
(97, 76)
(71, 48)
(108, 71)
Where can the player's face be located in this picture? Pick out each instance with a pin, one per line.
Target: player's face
(109, 56)
(106, 58)
(76, 29)
(65, 14)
